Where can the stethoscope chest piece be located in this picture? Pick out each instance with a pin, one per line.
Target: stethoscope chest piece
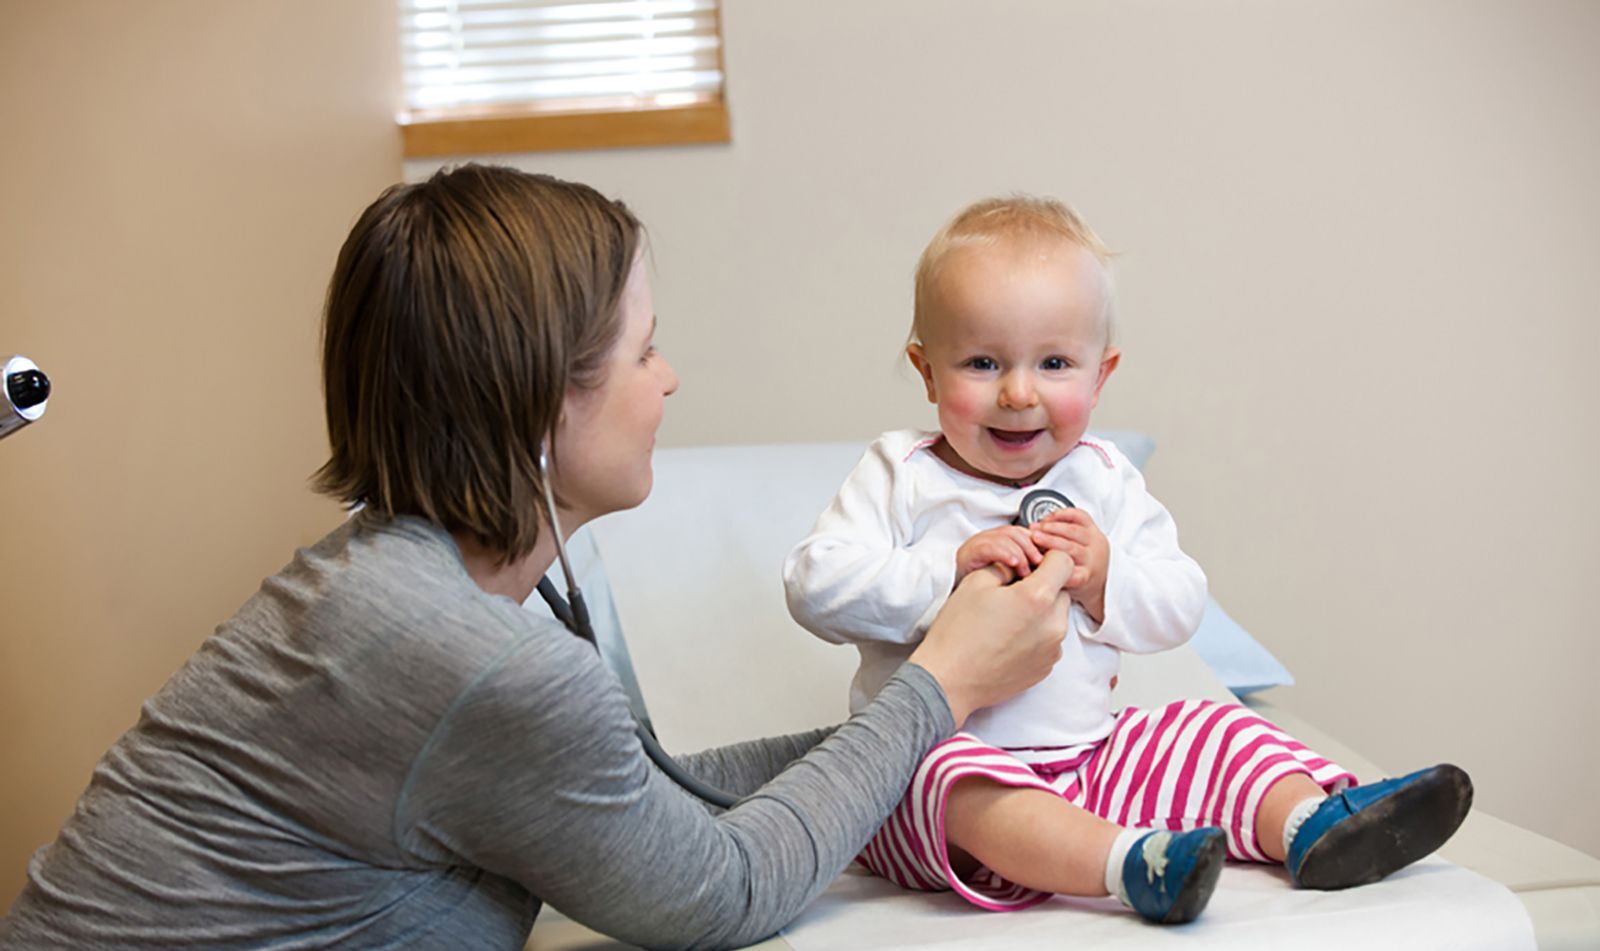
(1040, 503)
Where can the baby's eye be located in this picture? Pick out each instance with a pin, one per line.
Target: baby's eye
(1054, 363)
(982, 363)
(649, 352)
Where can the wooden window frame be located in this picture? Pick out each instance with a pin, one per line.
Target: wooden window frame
(469, 132)
(699, 123)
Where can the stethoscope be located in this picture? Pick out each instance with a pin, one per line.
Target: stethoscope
(1038, 504)
(574, 614)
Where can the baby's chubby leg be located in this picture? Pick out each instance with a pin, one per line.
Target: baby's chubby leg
(1282, 800)
(1041, 841)
(1028, 836)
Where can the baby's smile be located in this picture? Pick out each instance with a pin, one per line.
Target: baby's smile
(1014, 438)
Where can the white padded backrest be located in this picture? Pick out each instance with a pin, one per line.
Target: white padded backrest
(696, 574)
(696, 577)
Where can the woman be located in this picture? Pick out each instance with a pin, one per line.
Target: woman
(382, 748)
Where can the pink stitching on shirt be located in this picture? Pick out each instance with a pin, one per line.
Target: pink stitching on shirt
(1104, 456)
(922, 445)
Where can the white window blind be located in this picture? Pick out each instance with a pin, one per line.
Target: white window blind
(467, 57)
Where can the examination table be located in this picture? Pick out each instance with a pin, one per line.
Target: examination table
(693, 578)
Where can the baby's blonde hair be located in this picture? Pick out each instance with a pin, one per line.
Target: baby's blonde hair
(1021, 219)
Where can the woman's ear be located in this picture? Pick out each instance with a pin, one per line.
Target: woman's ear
(919, 359)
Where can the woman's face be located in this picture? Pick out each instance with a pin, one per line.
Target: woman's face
(606, 435)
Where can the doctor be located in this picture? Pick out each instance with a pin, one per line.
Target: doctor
(382, 748)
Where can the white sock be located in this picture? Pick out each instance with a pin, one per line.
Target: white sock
(1119, 854)
(1297, 818)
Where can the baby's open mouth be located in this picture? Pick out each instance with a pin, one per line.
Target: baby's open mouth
(1014, 437)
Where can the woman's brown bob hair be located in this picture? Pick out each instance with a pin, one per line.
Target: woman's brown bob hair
(460, 310)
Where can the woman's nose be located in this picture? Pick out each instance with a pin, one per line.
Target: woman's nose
(669, 386)
(1016, 391)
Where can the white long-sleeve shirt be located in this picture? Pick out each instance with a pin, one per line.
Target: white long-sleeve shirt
(881, 560)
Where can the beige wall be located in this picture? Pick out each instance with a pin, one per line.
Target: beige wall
(175, 179)
(1358, 290)
(1359, 299)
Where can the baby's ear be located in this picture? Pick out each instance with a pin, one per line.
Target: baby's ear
(919, 359)
(1108, 363)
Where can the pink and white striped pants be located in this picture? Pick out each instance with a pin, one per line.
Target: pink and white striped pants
(1189, 764)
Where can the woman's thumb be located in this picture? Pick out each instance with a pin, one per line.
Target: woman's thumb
(1052, 573)
(989, 576)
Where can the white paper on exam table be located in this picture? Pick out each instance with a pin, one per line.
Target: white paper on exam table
(1433, 904)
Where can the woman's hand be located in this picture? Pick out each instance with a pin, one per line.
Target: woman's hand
(991, 640)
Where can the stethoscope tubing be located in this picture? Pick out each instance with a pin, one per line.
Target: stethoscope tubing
(574, 613)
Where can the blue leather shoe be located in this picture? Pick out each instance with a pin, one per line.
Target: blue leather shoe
(1363, 834)
(1169, 876)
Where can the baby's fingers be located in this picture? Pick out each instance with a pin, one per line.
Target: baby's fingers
(1026, 555)
(1056, 534)
(1066, 516)
(1029, 548)
(1009, 552)
(1052, 543)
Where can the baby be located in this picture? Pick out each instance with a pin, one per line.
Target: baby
(1053, 791)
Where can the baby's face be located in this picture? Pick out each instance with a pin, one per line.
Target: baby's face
(1014, 354)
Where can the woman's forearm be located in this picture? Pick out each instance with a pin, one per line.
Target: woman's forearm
(587, 824)
(742, 768)
(831, 801)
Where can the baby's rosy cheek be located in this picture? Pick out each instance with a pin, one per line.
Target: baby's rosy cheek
(965, 394)
(958, 407)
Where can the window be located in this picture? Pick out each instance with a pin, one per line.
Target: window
(526, 75)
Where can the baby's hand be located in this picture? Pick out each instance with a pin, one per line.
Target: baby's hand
(1073, 532)
(1009, 546)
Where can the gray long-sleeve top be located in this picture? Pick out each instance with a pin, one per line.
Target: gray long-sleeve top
(375, 753)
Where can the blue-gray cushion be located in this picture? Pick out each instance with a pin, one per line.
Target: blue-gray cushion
(1237, 659)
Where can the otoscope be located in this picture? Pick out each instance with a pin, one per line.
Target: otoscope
(26, 390)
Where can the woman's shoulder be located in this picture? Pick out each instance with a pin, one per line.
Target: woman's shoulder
(381, 617)
(387, 592)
